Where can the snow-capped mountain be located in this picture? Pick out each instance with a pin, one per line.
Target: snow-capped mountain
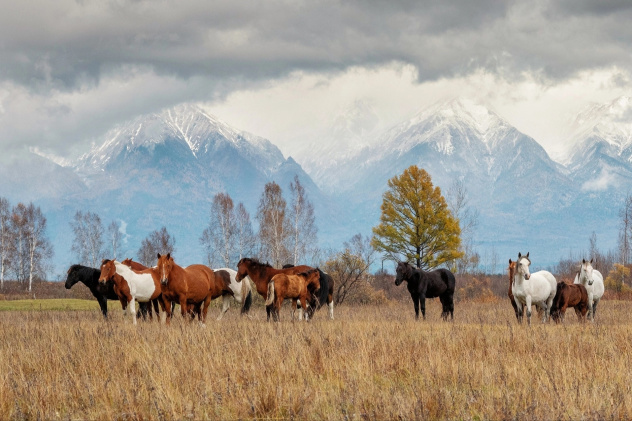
(601, 155)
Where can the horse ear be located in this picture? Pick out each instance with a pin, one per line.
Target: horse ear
(583, 261)
(510, 262)
(591, 261)
(159, 255)
(527, 255)
(519, 255)
(168, 256)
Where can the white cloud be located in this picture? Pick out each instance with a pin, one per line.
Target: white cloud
(600, 183)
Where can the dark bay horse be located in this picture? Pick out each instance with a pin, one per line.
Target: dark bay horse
(302, 286)
(261, 273)
(569, 295)
(325, 294)
(421, 285)
(194, 286)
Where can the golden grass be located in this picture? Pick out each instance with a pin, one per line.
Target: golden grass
(369, 363)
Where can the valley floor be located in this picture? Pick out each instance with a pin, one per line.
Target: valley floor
(369, 363)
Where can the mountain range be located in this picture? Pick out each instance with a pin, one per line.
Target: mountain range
(164, 168)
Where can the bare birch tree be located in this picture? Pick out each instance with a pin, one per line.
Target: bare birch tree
(114, 237)
(303, 228)
(32, 248)
(625, 232)
(273, 225)
(350, 267)
(88, 244)
(5, 237)
(246, 240)
(458, 202)
(219, 237)
(157, 242)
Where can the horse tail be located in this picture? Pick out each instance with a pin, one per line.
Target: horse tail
(270, 298)
(246, 295)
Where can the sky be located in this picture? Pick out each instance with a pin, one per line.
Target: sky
(71, 70)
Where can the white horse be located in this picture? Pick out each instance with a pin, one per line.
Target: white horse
(536, 288)
(592, 280)
(242, 292)
(142, 286)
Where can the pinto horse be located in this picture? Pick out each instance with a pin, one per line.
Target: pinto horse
(421, 285)
(301, 286)
(569, 295)
(140, 268)
(90, 278)
(130, 286)
(195, 286)
(592, 280)
(325, 295)
(262, 273)
(532, 288)
(242, 292)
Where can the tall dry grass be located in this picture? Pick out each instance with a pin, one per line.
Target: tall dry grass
(369, 363)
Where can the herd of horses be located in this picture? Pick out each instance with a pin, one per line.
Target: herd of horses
(195, 286)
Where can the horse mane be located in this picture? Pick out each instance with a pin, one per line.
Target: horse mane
(307, 272)
(256, 262)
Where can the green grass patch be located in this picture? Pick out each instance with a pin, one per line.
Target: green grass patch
(62, 304)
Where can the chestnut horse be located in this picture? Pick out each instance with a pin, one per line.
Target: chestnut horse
(569, 295)
(325, 295)
(195, 286)
(262, 273)
(302, 286)
(129, 285)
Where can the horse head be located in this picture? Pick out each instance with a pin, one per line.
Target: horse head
(108, 270)
(242, 268)
(403, 272)
(312, 279)
(586, 272)
(72, 276)
(127, 262)
(522, 266)
(165, 264)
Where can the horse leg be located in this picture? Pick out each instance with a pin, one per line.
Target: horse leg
(165, 316)
(183, 306)
(103, 304)
(294, 306)
(330, 301)
(415, 298)
(132, 309)
(422, 305)
(276, 313)
(304, 307)
(225, 306)
(528, 300)
(594, 308)
(591, 313)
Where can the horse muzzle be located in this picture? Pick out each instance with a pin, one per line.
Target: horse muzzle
(102, 280)
(526, 277)
(163, 281)
(590, 283)
(398, 282)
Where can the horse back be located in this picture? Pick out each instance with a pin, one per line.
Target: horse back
(439, 282)
(221, 286)
(200, 279)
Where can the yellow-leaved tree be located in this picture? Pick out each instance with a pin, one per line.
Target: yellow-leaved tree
(416, 224)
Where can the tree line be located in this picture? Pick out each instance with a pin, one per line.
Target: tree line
(25, 251)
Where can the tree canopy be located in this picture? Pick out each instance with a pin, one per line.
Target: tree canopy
(416, 224)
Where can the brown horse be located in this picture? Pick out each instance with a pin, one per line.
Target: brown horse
(129, 285)
(569, 295)
(303, 286)
(261, 273)
(191, 287)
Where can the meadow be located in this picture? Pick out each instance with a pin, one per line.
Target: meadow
(372, 362)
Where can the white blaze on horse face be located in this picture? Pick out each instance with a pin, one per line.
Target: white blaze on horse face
(587, 270)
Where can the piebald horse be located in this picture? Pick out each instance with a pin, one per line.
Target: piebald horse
(592, 280)
(532, 288)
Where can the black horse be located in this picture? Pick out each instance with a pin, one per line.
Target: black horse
(102, 292)
(421, 285)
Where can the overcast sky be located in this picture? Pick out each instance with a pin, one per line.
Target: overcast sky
(71, 70)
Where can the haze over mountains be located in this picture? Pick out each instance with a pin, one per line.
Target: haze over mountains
(164, 168)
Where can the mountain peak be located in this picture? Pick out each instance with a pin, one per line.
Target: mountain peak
(611, 122)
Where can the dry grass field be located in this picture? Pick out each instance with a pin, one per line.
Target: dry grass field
(369, 363)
